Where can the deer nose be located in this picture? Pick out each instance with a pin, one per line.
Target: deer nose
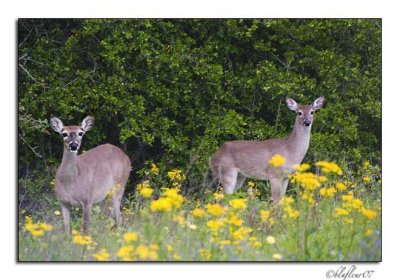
(73, 146)
(307, 122)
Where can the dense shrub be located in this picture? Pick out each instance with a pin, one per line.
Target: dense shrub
(172, 90)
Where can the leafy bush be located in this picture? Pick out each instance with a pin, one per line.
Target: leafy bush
(172, 90)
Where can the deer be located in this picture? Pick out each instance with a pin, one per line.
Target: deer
(236, 160)
(86, 179)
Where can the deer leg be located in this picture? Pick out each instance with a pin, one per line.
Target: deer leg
(66, 218)
(87, 211)
(228, 180)
(276, 189)
(284, 186)
(240, 180)
(117, 197)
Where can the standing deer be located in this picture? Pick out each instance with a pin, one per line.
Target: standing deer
(88, 178)
(236, 160)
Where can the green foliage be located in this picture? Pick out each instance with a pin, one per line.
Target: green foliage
(174, 90)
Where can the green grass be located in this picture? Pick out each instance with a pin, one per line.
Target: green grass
(319, 233)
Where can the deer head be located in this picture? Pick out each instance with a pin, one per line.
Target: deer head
(72, 135)
(305, 112)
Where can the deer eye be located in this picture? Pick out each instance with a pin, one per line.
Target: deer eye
(299, 113)
(80, 133)
(312, 112)
(64, 135)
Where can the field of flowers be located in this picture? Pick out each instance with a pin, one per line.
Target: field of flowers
(328, 214)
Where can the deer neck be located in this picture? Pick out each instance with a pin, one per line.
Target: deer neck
(299, 140)
(69, 167)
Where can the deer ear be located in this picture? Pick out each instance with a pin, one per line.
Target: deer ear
(87, 123)
(292, 105)
(318, 103)
(56, 124)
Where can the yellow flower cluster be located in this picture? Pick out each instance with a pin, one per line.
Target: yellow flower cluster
(301, 167)
(198, 213)
(277, 161)
(176, 175)
(146, 192)
(215, 225)
(130, 237)
(81, 239)
(329, 167)
(154, 169)
(265, 214)
(327, 192)
(102, 256)
(36, 229)
(170, 199)
(254, 243)
(215, 209)
(307, 180)
(238, 203)
(218, 196)
(128, 252)
(145, 189)
(290, 212)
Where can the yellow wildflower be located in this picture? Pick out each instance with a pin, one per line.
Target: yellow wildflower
(215, 209)
(238, 203)
(144, 184)
(170, 248)
(340, 186)
(53, 183)
(241, 233)
(277, 161)
(176, 175)
(154, 169)
(218, 196)
(347, 197)
(254, 242)
(126, 253)
(301, 167)
(271, 221)
(57, 213)
(370, 214)
(234, 220)
(198, 213)
(341, 212)
(264, 215)
(322, 179)
(366, 179)
(81, 239)
(356, 203)
(146, 192)
(327, 192)
(250, 184)
(329, 167)
(162, 205)
(103, 255)
(142, 252)
(307, 180)
(215, 225)
(130, 237)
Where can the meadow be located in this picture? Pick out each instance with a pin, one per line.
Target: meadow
(331, 212)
